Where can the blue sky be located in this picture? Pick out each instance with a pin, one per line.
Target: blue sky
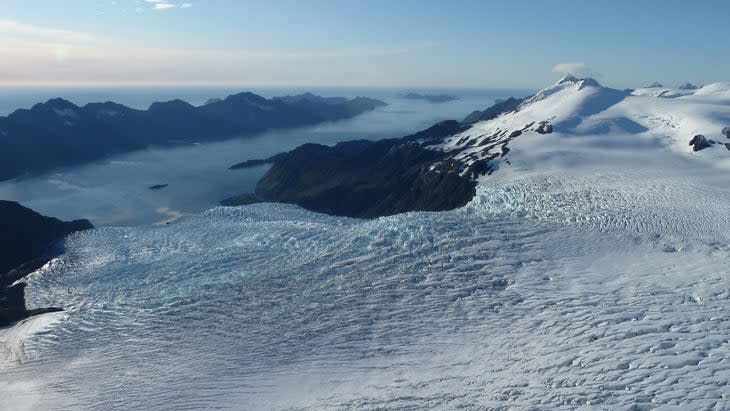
(362, 43)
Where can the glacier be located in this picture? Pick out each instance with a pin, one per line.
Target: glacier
(589, 272)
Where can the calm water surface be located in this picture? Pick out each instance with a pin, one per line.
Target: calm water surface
(114, 191)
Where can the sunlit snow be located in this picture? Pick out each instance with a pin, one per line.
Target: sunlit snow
(591, 270)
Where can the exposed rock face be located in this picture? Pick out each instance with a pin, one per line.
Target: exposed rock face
(432, 135)
(494, 111)
(726, 132)
(25, 234)
(699, 142)
(688, 86)
(27, 242)
(370, 179)
(60, 133)
(544, 128)
(12, 305)
(241, 200)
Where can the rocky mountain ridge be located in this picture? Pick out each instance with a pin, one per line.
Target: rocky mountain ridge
(59, 133)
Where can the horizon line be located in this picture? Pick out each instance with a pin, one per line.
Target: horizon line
(44, 84)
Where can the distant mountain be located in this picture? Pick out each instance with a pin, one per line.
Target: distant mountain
(60, 133)
(656, 84)
(433, 98)
(688, 86)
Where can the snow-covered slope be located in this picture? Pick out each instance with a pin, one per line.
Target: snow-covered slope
(585, 116)
(589, 272)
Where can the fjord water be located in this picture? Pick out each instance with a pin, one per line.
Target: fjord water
(114, 191)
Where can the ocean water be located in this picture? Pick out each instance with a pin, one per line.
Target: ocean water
(113, 191)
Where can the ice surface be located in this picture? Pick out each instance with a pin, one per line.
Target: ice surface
(589, 272)
(546, 292)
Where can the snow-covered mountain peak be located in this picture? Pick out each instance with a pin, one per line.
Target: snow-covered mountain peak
(568, 78)
(582, 82)
(569, 83)
(581, 113)
(688, 86)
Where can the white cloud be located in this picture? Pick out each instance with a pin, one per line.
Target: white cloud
(576, 69)
(164, 6)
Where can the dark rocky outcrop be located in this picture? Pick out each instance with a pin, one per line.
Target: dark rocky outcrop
(25, 234)
(241, 200)
(544, 128)
(494, 111)
(60, 133)
(432, 135)
(370, 179)
(28, 241)
(688, 86)
(700, 142)
(726, 132)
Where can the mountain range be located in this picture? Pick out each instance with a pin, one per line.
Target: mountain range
(438, 168)
(60, 133)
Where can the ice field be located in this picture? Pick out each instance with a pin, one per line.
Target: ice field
(591, 271)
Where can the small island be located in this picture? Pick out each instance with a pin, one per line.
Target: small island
(432, 98)
(157, 186)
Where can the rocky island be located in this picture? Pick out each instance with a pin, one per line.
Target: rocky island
(431, 98)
